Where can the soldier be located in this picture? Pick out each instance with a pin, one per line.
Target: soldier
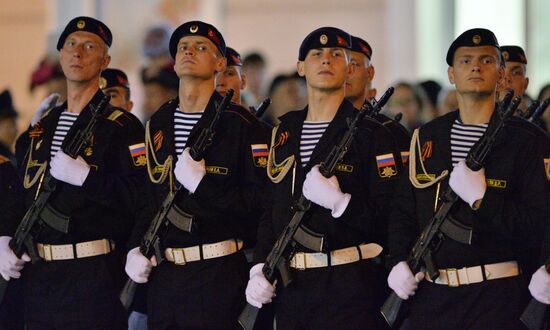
(516, 72)
(114, 82)
(480, 285)
(359, 88)
(233, 77)
(335, 287)
(76, 284)
(8, 127)
(201, 283)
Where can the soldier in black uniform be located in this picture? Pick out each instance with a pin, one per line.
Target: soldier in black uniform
(114, 82)
(359, 88)
(481, 284)
(201, 283)
(333, 288)
(233, 76)
(8, 127)
(515, 73)
(76, 285)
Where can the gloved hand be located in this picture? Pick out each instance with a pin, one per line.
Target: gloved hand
(48, 103)
(402, 281)
(188, 171)
(325, 192)
(10, 265)
(259, 291)
(469, 185)
(67, 169)
(138, 267)
(540, 286)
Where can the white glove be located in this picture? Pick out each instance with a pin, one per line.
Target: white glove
(70, 170)
(402, 281)
(325, 192)
(138, 267)
(188, 171)
(540, 286)
(469, 185)
(48, 103)
(259, 291)
(10, 265)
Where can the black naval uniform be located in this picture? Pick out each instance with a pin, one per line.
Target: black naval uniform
(337, 296)
(11, 307)
(83, 293)
(505, 227)
(398, 131)
(206, 294)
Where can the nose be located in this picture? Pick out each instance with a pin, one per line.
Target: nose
(325, 59)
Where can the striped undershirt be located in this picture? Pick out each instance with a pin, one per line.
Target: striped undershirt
(183, 124)
(311, 133)
(65, 122)
(463, 137)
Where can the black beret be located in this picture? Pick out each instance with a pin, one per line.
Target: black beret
(472, 38)
(6, 105)
(86, 24)
(361, 46)
(233, 58)
(113, 78)
(513, 54)
(196, 28)
(325, 37)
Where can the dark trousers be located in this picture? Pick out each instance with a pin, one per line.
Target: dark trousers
(74, 294)
(495, 304)
(11, 308)
(339, 297)
(207, 294)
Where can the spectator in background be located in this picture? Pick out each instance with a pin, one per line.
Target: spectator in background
(48, 74)
(155, 49)
(431, 90)
(159, 86)
(447, 101)
(254, 67)
(233, 77)
(543, 95)
(287, 93)
(407, 100)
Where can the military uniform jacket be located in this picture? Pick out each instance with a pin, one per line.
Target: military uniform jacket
(399, 133)
(367, 179)
(516, 202)
(225, 204)
(103, 206)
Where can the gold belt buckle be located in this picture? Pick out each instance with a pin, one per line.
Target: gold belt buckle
(303, 258)
(47, 252)
(180, 259)
(452, 277)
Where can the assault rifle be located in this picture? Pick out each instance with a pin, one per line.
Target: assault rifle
(258, 112)
(169, 212)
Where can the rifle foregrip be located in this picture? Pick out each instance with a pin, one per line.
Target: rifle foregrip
(248, 317)
(127, 293)
(391, 307)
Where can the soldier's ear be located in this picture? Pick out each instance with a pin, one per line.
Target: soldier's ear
(106, 61)
(300, 68)
(451, 75)
(243, 80)
(370, 73)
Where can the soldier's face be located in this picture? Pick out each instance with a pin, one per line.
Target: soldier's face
(119, 97)
(325, 68)
(476, 70)
(361, 79)
(231, 78)
(515, 78)
(83, 57)
(198, 58)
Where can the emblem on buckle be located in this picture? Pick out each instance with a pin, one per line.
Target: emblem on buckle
(452, 277)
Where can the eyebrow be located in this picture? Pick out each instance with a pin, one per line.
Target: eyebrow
(198, 42)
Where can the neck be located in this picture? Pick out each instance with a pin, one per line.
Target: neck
(194, 94)
(476, 109)
(80, 94)
(323, 105)
(358, 100)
